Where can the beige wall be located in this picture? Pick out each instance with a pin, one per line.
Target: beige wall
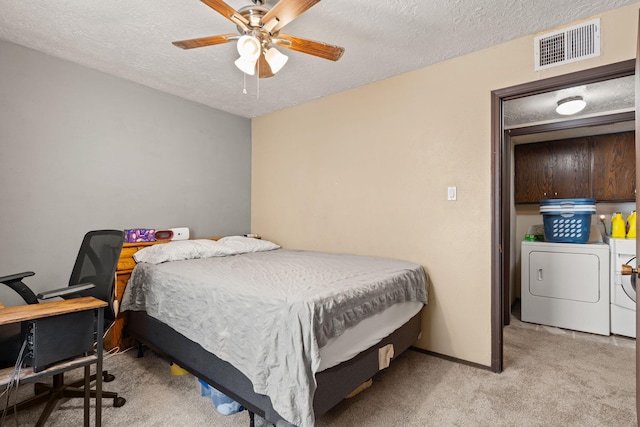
(366, 171)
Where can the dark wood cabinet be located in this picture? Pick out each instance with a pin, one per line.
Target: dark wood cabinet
(552, 170)
(614, 167)
(571, 168)
(533, 174)
(602, 167)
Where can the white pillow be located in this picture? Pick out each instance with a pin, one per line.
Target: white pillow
(181, 250)
(241, 244)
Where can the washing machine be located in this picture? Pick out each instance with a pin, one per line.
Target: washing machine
(566, 285)
(623, 293)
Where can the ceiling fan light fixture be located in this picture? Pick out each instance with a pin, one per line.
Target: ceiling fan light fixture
(571, 105)
(259, 30)
(249, 49)
(246, 66)
(275, 59)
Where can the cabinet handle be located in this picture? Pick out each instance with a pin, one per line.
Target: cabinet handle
(540, 275)
(555, 193)
(544, 194)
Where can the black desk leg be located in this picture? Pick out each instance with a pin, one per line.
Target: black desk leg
(87, 394)
(99, 368)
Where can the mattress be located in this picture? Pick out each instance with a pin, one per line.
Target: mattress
(366, 333)
(270, 313)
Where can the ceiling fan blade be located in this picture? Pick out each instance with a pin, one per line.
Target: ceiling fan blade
(264, 69)
(204, 41)
(228, 12)
(286, 11)
(310, 47)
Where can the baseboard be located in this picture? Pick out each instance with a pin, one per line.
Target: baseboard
(451, 359)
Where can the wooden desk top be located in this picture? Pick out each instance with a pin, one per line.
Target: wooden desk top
(21, 313)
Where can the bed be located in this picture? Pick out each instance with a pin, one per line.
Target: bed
(286, 333)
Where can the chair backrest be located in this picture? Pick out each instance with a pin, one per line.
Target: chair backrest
(96, 263)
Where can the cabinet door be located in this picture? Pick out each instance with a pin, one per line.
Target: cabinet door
(614, 167)
(533, 172)
(571, 168)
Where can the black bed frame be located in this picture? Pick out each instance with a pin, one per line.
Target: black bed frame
(333, 384)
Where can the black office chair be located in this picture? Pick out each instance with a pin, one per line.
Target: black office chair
(93, 275)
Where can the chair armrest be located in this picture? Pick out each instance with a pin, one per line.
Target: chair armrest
(14, 281)
(16, 277)
(65, 292)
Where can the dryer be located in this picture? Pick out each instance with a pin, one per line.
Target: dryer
(623, 294)
(566, 285)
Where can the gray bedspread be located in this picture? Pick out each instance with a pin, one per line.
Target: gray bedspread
(268, 313)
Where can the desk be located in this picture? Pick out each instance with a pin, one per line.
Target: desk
(46, 309)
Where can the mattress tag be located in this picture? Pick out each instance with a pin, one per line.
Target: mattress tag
(385, 354)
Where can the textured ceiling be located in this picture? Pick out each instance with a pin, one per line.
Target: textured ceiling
(606, 97)
(132, 39)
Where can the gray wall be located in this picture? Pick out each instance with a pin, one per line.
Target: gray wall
(82, 150)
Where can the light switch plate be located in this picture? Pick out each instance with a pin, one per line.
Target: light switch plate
(452, 193)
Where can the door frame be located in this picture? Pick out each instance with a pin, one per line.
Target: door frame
(637, 102)
(501, 182)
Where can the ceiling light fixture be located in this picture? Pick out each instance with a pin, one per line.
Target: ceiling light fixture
(275, 59)
(260, 33)
(250, 48)
(571, 105)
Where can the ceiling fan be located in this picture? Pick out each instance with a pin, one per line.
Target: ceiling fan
(259, 32)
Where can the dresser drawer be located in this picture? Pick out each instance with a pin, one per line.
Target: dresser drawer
(126, 264)
(127, 252)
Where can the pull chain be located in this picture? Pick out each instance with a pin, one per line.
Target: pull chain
(244, 82)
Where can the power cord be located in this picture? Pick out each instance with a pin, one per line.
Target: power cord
(14, 378)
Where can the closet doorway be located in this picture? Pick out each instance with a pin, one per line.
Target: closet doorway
(502, 231)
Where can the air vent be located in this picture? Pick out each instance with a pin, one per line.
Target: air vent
(568, 45)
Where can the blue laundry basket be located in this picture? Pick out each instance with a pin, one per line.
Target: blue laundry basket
(567, 220)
